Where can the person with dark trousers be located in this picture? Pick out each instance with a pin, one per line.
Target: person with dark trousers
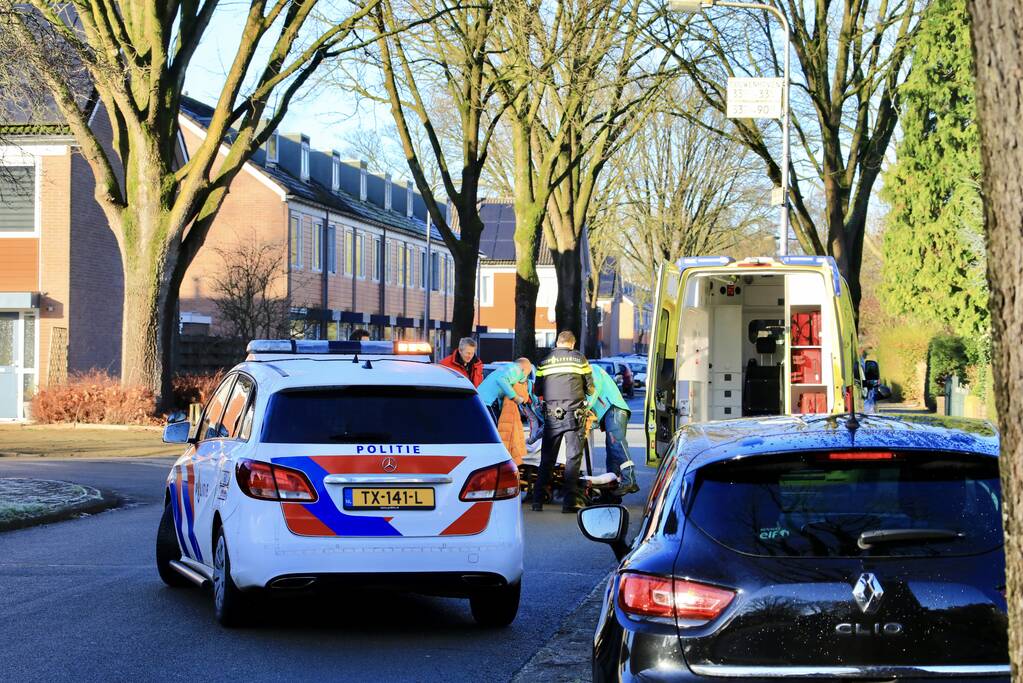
(465, 361)
(564, 379)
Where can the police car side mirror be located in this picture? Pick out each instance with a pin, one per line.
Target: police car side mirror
(606, 524)
(177, 432)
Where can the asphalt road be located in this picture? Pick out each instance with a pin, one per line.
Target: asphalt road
(81, 601)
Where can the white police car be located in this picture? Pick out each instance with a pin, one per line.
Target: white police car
(345, 463)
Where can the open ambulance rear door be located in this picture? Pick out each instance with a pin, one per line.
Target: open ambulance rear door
(660, 411)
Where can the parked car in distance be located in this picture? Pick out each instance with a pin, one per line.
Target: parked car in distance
(818, 547)
(621, 373)
(636, 365)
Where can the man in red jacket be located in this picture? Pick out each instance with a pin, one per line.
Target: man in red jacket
(464, 360)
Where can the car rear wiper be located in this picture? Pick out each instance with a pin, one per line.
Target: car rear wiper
(360, 437)
(875, 536)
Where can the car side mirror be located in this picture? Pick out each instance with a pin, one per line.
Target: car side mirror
(606, 524)
(177, 432)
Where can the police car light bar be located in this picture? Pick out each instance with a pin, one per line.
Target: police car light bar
(326, 347)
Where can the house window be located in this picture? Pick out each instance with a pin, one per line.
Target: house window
(17, 199)
(296, 241)
(399, 262)
(378, 259)
(335, 172)
(422, 269)
(360, 261)
(304, 170)
(410, 265)
(317, 259)
(486, 290)
(332, 249)
(451, 275)
(348, 252)
(435, 282)
(271, 148)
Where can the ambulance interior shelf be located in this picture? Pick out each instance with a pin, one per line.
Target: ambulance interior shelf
(808, 394)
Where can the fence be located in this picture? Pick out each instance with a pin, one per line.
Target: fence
(204, 354)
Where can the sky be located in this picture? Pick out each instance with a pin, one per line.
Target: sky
(325, 113)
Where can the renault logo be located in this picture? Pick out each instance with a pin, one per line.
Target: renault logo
(389, 464)
(868, 593)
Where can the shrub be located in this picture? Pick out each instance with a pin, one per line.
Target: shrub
(194, 388)
(97, 398)
(902, 355)
(946, 356)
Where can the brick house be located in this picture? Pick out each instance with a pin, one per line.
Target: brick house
(61, 282)
(354, 242)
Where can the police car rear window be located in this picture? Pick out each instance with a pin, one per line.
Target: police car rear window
(369, 414)
(813, 506)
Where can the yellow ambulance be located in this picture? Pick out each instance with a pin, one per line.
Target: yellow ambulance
(758, 337)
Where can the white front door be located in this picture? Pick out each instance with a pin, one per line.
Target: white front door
(10, 405)
(18, 368)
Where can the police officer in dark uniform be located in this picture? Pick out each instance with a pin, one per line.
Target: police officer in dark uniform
(564, 379)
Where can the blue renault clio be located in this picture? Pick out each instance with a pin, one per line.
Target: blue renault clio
(863, 547)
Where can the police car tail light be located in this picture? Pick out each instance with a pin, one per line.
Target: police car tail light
(293, 485)
(497, 482)
(272, 482)
(665, 597)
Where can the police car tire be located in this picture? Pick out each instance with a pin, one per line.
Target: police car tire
(167, 549)
(496, 607)
(229, 603)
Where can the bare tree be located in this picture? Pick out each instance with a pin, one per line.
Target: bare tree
(851, 57)
(998, 46)
(136, 55)
(251, 291)
(445, 139)
(685, 193)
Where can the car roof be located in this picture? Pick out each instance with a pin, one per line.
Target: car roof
(711, 442)
(301, 371)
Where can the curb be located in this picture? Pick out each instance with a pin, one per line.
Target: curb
(566, 656)
(96, 501)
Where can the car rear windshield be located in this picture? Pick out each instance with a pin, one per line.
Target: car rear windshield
(818, 505)
(371, 414)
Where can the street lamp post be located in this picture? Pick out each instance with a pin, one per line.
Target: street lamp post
(697, 6)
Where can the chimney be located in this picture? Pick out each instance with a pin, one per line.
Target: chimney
(387, 192)
(335, 171)
(409, 187)
(304, 165)
(363, 174)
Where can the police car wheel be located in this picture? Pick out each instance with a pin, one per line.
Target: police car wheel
(228, 601)
(496, 606)
(167, 550)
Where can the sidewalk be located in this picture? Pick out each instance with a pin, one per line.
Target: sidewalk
(89, 441)
(27, 502)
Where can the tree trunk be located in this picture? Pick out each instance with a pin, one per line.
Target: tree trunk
(568, 307)
(998, 51)
(463, 310)
(528, 219)
(145, 300)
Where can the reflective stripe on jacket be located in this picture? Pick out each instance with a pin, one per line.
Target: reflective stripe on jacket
(564, 379)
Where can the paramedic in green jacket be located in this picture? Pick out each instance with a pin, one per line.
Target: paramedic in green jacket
(500, 384)
(613, 414)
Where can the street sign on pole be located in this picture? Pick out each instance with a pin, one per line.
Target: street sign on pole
(755, 98)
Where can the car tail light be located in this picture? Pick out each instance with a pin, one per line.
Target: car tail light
(860, 455)
(497, 482)
(643, 595)
(272, 482)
